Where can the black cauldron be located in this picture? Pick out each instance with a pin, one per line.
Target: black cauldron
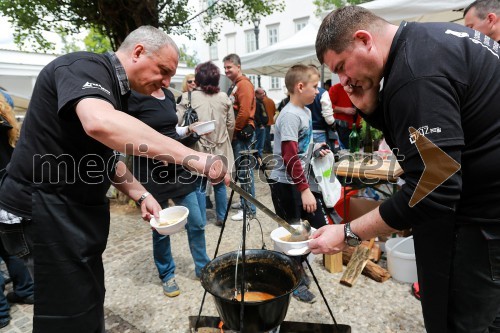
(265, 271)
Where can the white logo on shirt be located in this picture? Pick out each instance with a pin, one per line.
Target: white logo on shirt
(476, 40)
(423, 131)
(89, 85)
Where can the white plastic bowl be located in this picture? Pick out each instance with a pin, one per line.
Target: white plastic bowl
(289, 248)
(204, 127)
(177, 217)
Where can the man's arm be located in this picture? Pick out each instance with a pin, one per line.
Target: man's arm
(124, 133)
(326, 108)
(246, 104)
(125, 182)
(330, 239)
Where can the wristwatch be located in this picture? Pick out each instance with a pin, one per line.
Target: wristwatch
(141, 199)
(350, 238)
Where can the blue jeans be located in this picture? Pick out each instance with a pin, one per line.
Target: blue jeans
(245, 168)
(260, 134)
(21, 279)
(319, 137)
(220, 198)
(195, 227)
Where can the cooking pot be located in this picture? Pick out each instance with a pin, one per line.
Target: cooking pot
(265, 271)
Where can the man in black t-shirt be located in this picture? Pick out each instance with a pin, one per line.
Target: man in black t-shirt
(441, 79)
(484, 16)
(64, 163)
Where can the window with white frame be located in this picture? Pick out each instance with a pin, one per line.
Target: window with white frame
(272, 34)
(300, 23)
(253, 79)
(231, 43)
(275, 83)
(213, 52)
(250, 40)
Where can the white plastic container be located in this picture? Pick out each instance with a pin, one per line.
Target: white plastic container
(205, 127)
(177, 215)
(401, 261)
(289, 248)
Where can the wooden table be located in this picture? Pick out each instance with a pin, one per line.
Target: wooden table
(374, 171)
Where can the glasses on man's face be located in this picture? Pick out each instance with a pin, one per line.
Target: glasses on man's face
(190, 81)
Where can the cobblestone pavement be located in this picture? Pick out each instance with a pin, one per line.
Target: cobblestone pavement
(135, 302)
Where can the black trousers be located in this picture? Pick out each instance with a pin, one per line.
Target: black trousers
(288, 205)
(475, 283)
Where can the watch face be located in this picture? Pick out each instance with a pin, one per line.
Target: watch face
(353, 242)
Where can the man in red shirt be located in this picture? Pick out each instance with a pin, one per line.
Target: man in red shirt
(344, 113)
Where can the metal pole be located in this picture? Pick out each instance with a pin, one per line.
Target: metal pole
(256, 31)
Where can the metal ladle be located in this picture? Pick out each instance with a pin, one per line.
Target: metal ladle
(300, 232)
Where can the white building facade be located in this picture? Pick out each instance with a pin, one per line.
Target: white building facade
(272, 29)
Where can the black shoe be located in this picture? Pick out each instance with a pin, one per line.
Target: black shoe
(219, 223)
(4, 322)
(304, 295)
(13, 298)
(209, 203)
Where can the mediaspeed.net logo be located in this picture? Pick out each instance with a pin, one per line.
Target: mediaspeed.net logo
(439, 167)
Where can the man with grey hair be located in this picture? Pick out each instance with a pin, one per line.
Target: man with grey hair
(439, 107)
(53, 201)
(484, 16)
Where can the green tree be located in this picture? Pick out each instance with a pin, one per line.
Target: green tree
(189, 58)
(328, 5)
(96, 42)
(116, 19)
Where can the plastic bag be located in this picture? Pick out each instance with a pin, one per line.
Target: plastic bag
(328, 184)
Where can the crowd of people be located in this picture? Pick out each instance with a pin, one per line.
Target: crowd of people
(95, 108)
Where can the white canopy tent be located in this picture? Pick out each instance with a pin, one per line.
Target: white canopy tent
(421, 10)
(275, 60)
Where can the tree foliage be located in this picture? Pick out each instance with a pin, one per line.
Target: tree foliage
(328, 5)
(96, 42)
(189, 58)
(116, 19)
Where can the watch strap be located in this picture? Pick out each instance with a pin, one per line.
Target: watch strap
(142, 198)
(351, 238)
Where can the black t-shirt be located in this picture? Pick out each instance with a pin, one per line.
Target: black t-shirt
(54, 150)
(443, 79)
(163, 181)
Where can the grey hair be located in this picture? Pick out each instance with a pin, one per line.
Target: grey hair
(336, 30)
(484, 7)
(234, 58)
(152, 38)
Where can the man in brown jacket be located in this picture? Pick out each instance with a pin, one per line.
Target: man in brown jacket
(271, 111)
(242, 95)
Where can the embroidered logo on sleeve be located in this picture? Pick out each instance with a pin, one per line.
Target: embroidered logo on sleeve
(89, 85)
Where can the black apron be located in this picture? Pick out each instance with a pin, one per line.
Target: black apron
(68, 240)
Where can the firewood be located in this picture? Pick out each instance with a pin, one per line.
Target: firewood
(372, 270)
(356, 264)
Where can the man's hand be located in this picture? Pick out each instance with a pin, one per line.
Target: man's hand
(149, 208)
(365, 100)
(216, 170)
(308, 201)
(328, 239)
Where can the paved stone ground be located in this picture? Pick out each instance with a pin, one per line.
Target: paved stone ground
(135, 302)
